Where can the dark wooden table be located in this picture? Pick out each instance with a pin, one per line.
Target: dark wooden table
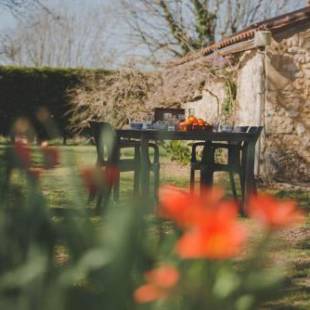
(144, 136)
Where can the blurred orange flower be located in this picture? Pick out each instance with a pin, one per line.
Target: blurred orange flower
(51, 157)
(218, 235)
(148, 293)
(23, 152)
(159, 284)
(186, 208)
(88, 175)
(274, 213)
(165, 276)
(178, 205)
(212, 229)
(112, 174)
(95, 178)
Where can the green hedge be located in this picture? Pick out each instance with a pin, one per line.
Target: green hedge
(23, 90)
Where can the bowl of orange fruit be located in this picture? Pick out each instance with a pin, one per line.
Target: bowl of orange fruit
(193, 123)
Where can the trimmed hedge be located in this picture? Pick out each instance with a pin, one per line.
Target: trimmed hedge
(23, 90)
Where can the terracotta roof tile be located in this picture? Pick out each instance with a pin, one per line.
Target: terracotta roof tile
(274, 24)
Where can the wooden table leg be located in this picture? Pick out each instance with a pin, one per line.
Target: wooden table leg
(115, 156)
(206, 172)
(249, 182)
(144, 167)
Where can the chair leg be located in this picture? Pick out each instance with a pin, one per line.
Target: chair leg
(242, 182)
(242, 185)
(136, 182)
(233, 185)
(137, 172)
(192, 180)
(147, 181)
(98, 203)
(116, 189)
(103, 199)
(91, 197)
(156, 180)
(207, 168)
(254, 186)
(206, 177)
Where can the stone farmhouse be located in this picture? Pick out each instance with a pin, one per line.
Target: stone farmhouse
(272, 81)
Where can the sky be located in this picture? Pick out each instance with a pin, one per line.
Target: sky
(118, 29)
(8, 20)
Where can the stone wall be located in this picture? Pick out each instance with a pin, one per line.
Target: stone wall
(286, 150)
(250, 93)
(208, 103)
(273, 90)
(251, 96)
(250, 89)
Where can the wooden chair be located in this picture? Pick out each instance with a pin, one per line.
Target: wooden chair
(235, 160)
(196, 163)
(154, 165)
(109, 153)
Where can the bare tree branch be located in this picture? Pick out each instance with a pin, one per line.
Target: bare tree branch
(71, 40)
(175, 27)
(19, 7)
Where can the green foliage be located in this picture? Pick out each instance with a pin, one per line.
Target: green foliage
(70, 262)
(229, 101)
(178, 151)
(77, 261)
(205, 24)
(24, 90)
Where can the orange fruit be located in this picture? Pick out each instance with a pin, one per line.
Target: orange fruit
(183, 126)
(192, 119)
(201, 122)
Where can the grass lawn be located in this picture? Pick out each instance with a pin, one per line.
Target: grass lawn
(58, 187)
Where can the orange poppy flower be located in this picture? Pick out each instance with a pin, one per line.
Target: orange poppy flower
(211, 196)
(200, 242)
(112, 175)
(177, 204)
(165, 276)
(51, 157)
(89, 179)
(186, 208)
(159, 284)
(148, 293)
(23, 152)
(274, 213)
(95, 178)
(217, 236)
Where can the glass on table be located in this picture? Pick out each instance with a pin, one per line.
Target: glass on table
(180, 117)
(148, 121)
(133, 124)
(190, 112)
(226, 128)
(167, 116)
(217, 124)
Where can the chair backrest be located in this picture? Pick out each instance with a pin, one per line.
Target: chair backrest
(256, 130)
(104, 136)
(241, 128)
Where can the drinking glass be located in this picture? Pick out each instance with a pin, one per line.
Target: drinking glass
(191, 111)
